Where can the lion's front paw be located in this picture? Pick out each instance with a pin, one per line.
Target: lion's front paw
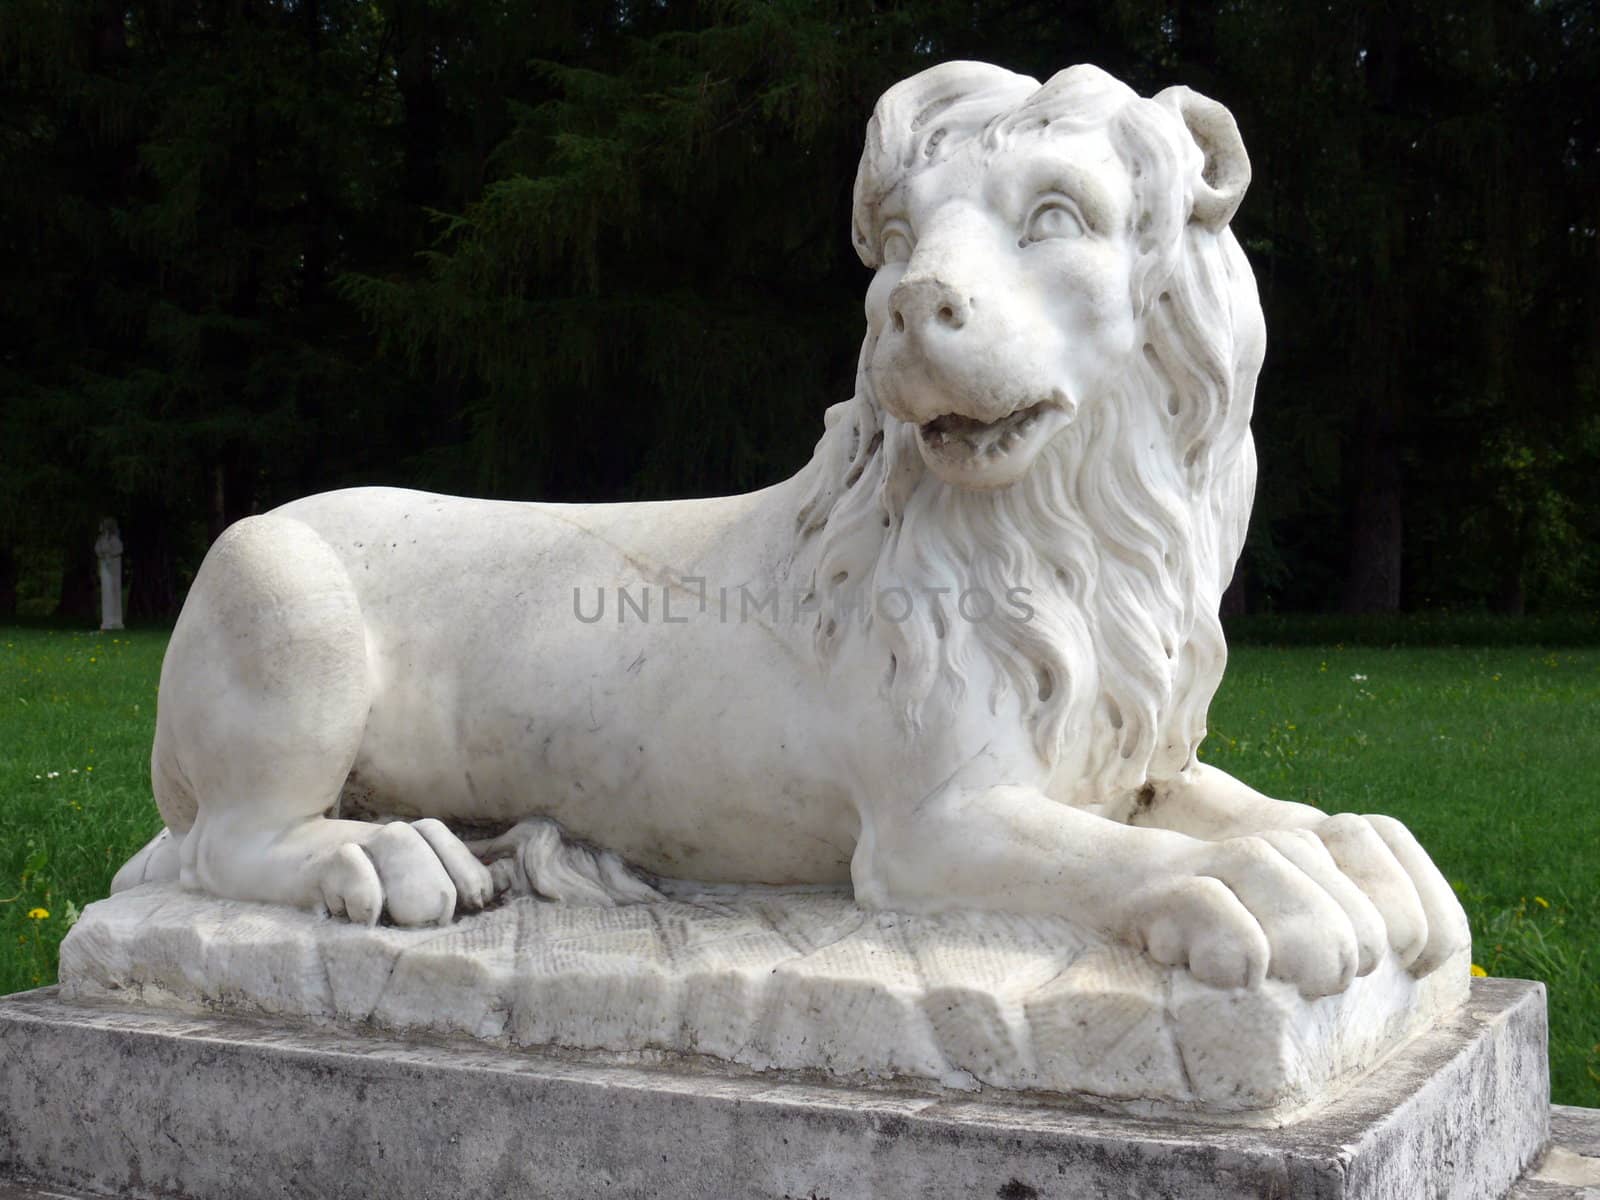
(1250, 907)
(1424, 922)
(417, 872)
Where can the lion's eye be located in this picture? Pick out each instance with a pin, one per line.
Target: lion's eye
(1053, 220)
(896, 244)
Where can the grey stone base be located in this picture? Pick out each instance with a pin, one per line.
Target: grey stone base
(1570, 1167)
(143, 1103)
(20, 1189)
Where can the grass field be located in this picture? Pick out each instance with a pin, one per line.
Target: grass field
(1488, 752)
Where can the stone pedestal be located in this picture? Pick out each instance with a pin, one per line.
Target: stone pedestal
(140, 1102)
(776, 980)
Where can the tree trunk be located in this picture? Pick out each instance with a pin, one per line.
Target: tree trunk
(8, 583)
(1512, 600)
(79, 598)
(422, 101)
(1511, 591)
(314, 252)
(1374, 483)
(1197, 44)
(1377, 522)
(150, 565)
(232, 495)
(1236, 598)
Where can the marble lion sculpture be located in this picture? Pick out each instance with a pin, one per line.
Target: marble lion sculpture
(961, 660)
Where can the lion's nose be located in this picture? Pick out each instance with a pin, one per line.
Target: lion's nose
(926, 303)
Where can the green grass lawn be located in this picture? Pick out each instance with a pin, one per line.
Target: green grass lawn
(79, 712)
(1488, 753)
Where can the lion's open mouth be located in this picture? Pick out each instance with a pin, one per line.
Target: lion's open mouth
(956, 438)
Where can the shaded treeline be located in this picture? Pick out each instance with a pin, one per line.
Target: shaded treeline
(255, 248)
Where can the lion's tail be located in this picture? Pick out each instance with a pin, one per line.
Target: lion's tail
(535, 858)
(156, 863)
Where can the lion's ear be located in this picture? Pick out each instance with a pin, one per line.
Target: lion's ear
(1225, 172)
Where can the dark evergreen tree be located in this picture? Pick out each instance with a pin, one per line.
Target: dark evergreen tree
(254, 248)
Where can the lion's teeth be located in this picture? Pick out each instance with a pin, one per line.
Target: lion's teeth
(953, 434)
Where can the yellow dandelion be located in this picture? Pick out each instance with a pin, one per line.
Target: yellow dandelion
(38, 914)
(1541, 902)
(1478, 972)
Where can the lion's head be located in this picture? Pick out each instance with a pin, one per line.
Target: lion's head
(1054, 393)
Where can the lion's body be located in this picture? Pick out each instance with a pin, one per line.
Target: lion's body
(492, 701)
(727, 744)
(950, 661)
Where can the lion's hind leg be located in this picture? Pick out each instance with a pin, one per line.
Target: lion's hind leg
(265, 692)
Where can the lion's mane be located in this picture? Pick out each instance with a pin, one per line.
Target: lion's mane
(1125, 531)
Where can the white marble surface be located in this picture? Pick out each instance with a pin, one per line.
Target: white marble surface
(108, 555)
(775, 980)
(960, 662)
